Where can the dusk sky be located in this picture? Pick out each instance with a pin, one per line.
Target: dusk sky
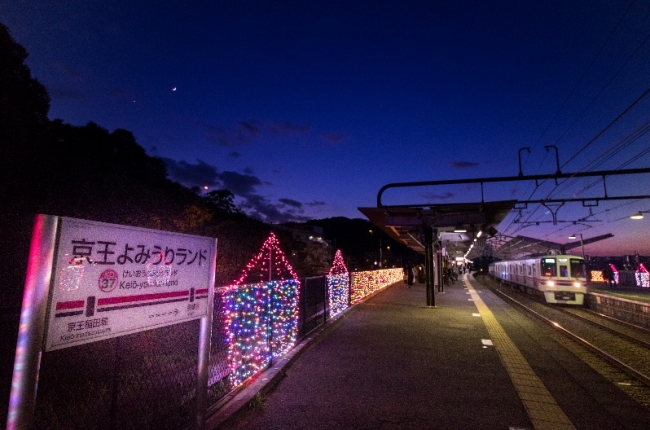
(305, 109)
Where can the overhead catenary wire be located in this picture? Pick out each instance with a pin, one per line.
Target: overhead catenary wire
(579, 82)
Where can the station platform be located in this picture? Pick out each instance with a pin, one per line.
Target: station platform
(469, 362)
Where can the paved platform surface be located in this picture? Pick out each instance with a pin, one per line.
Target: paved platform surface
(470, 362)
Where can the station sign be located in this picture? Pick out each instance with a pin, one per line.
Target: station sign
(111, 280)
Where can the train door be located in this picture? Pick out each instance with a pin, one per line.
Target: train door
(563, 267)
(518, 279)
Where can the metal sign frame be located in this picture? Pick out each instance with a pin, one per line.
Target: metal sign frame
(39, 305)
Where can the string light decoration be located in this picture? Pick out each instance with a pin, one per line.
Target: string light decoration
(338, 285)
(270, 263)
(642, 277)
(284, 316)
(247, 320)
(261, 317)
(616, 274)
(338, 265)
(366, 283)
(597, 276)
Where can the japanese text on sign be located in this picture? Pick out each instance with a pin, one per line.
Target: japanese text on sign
(111, 280)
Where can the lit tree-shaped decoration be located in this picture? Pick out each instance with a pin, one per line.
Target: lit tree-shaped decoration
(338, 266)
(642, 277)
(261, 310)
(270, 263)
(338, 285)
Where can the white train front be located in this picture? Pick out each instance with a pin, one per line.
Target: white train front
(558, 278)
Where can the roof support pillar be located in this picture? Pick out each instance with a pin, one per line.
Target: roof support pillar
(428, 263)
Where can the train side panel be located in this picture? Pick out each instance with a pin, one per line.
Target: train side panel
(558, 279)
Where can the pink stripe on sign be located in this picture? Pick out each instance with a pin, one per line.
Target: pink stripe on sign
(70, 305)
(140, 297)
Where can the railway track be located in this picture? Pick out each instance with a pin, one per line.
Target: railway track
(622, 346)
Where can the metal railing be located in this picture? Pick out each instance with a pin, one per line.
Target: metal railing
(148, 379)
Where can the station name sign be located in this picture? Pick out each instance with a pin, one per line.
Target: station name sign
(111, 280)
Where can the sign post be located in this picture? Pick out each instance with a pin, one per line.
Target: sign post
(22, 398)
(89, 281)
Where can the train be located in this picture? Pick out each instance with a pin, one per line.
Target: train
(557, 279)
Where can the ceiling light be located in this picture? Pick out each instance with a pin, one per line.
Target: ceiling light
(637, 215)
(460, 229)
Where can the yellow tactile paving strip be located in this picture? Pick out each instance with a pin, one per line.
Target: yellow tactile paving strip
(542, 409)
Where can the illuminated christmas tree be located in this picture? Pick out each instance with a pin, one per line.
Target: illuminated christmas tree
(268, 265)
(338, 266)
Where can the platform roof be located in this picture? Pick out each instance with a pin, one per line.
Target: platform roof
(406, 223)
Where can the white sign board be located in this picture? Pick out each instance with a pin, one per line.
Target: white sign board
(110, 280)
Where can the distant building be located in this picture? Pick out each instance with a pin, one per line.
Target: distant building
(310, 253)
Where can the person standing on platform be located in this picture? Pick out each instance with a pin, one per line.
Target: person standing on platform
(409, 271)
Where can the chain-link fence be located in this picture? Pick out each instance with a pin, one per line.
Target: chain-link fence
(313, 304)
(148, 380)
(144, 380)
(219, 368)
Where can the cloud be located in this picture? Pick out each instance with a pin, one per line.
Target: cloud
(245, 188)
(262, 209)
(290, 202)
(248, 132)
(244, 133)
(463, 164)
(234, 154)
(239, 184)
(333, 137)
(315, 204)
(191, 175)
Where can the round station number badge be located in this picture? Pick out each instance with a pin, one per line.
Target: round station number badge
(108, 280)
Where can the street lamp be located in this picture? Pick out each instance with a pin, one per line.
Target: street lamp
(639, 215)
(582, 245)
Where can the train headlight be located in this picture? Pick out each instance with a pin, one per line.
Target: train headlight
(550, 283)
(577, 284)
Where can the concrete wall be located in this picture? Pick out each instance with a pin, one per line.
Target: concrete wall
(627, 310)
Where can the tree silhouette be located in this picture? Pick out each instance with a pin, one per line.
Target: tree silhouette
(222, 200)
(24, 104)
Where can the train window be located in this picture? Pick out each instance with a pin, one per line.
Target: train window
(564, 271)
(548, 267)
(529, 271)
(577, 268)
